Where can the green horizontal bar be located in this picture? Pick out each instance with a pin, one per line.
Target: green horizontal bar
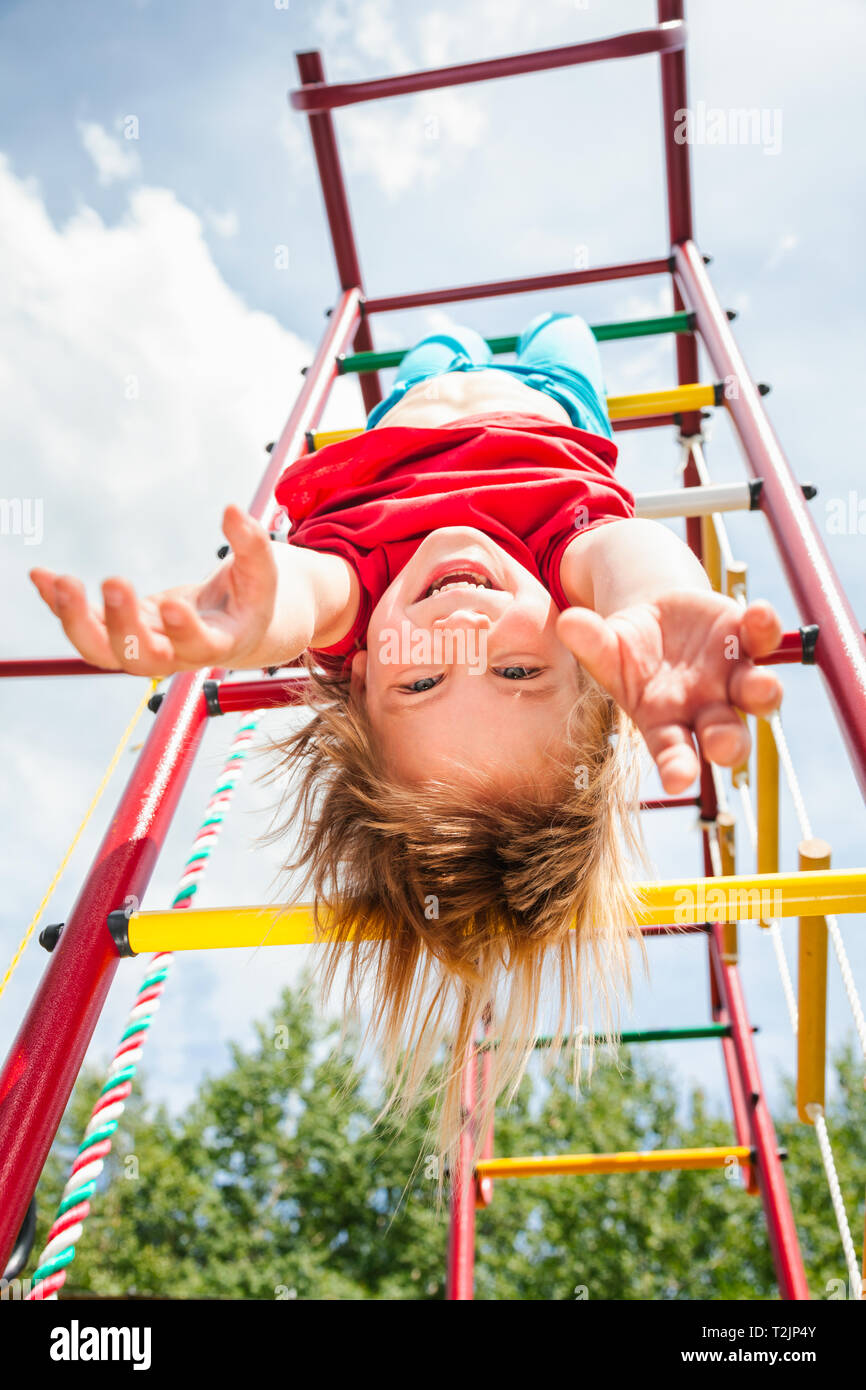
(604, 332)
(705, 1030)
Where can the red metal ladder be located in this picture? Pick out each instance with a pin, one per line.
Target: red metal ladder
(48, 1051)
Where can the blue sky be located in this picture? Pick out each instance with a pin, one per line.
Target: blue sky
(153, 260)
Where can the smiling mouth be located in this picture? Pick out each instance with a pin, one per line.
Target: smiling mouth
(463, 578)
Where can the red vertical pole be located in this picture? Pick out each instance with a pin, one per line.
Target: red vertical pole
(339, 216)
(680, 223)
(841, 650)
(47, 1053)
(459, 1285)
(771, 1179)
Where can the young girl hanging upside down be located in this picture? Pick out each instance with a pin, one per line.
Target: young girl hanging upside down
(486, 626)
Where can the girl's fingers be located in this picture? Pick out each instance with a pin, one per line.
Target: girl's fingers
(595, 645)
(44, 581)
(137, 645)
(754, 689)
(195, 642)
(82, 624)
(673, 753)
(760, 629)
(722, 735)
(254, 569)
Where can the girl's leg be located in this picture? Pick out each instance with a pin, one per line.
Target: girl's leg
(562, 340)
(433, 355)
(558, 354)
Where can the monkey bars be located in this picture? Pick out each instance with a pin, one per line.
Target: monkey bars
(48, 1051)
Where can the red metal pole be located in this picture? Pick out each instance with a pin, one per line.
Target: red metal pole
(234, 696)
(484, 1186)
(679, 196)
(52, 666)
(339, 216)
(47, 1053)
(307, 410)
(771, 1179)
(459, 1285)
(841, 650)
(525, 284)
(324, 97)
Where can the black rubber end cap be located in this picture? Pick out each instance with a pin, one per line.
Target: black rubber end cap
(809, 643)
(155, 701)
(50, 935)
(118, 926)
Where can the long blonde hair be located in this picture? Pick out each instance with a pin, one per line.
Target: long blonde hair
(480, 900)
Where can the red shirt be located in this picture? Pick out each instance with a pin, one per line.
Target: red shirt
(527, 482)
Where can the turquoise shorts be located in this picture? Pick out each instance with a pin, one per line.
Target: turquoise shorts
(556, 354)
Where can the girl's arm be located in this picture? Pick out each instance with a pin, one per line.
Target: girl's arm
(676, 656)
(263, 606)
(628, 562)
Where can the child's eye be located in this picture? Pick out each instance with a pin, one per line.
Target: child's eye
(517, 673)
(425, 683)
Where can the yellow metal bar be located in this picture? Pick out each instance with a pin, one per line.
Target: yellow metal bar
(640, 406)
(767, 761)
(651, 1161)
(725, 828)
(812, 994)
(742, 898)
(678, 398)
(736, 588)
(710, 552)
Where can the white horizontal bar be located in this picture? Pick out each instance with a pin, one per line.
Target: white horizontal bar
(694, 501)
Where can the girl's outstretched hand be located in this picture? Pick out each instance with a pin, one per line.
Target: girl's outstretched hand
(680, 665)
(217, 622)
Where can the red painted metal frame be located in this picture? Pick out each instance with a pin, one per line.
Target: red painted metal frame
(336, 198)
(47, 1053)
(525, 284)
(841, 652)
(50, 1046)
(461, 1226)
(771, 1179)
(789, 652)
(322, 97)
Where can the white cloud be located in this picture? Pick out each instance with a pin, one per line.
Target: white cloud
(402, 148)
(113, 158)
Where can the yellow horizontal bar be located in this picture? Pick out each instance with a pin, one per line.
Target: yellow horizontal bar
(693, 396)
(651, 1161)
(676, 903)
(678, 398)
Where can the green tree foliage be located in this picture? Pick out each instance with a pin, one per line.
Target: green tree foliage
(277, 1183)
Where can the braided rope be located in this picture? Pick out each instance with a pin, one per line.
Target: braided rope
(816, 1115)
(74, 1207)
(97, 796)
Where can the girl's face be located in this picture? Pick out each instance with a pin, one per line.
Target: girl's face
(463, 665)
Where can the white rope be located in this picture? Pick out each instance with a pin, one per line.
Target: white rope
(816, 1115)
(790, 776)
